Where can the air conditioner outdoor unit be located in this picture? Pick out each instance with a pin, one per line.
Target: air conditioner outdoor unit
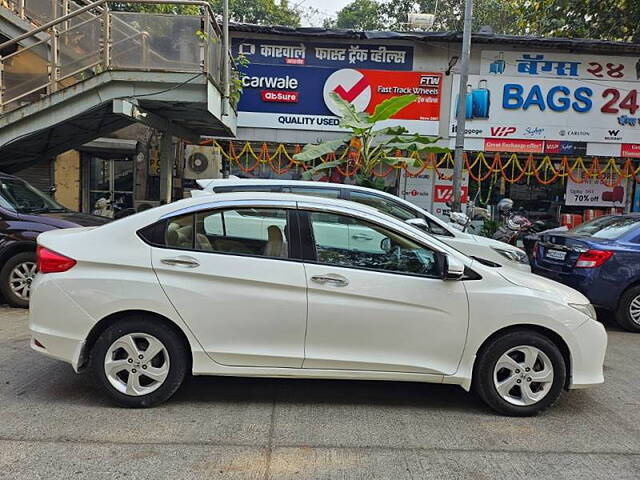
(202, 162)
(421, 21)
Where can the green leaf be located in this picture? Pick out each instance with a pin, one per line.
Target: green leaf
(389, 107)
(391, 131)
(311, 152)
(318, 168)
(416, 137)
(416, 162)
(416, 147)
(349, 117)
(364, 181)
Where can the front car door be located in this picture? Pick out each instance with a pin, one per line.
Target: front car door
(379, 308)
(233, 276)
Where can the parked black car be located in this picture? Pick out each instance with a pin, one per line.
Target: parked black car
(24, 213)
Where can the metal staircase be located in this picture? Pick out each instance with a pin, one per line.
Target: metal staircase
(84, 70)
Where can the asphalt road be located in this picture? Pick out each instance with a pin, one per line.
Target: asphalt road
(55, 424)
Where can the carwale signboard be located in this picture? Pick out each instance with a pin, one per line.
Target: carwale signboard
(292, 97)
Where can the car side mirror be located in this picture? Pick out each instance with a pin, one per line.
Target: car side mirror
(453, 269)
(385, 244)
(421, 223)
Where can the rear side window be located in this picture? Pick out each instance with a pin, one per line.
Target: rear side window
(607, 227)
(245, 231)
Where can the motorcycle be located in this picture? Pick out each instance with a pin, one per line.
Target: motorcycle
(517, 229)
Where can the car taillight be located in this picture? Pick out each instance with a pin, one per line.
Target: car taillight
(535, 250)
(593, 258)
(52, 262)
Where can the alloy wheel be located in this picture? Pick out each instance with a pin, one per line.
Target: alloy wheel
(20, 279)
(137, 364)
(634, 310)
(523, 375)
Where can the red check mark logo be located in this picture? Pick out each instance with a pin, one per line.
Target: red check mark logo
(353, 92)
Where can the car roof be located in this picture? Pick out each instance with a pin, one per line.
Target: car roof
(238, 182)
(189, 205)
(210, 184)
(277, 196)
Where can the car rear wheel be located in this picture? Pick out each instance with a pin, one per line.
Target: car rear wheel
(520, 373)
(628, 313)
(16, 277)
(139, 362)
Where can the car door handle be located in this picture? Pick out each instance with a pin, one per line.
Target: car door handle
(337, 280)
(361, 236)
(186, 262)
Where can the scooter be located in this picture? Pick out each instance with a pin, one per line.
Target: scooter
(519, 231)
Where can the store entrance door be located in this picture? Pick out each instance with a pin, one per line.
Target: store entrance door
(111, 182)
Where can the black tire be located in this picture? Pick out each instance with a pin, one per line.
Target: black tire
(5, 285)
(623, 316)
(178, 353)
(483, 381)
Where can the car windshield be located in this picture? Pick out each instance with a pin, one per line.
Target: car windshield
(23, 198)
(607, 227)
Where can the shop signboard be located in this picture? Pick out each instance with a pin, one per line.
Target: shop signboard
(443, 191)
(592, 192)
(556, 147)
(419, 189)
(293, 97)
(630, 150)
(515, 145)
(329, 55)
(560, 65)
(561, 108)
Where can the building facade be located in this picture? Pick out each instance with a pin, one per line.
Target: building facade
(551, 123)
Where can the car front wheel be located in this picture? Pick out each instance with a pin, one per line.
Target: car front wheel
(139, 362)
(519, 373)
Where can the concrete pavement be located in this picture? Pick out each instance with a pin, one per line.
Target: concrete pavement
(56, 424)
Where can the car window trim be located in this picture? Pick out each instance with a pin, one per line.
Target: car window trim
(307, 238)
(293, 245)
(412, 208)
(256, 203)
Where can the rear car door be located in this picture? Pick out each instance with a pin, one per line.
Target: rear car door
(238, 285)
(380, 309)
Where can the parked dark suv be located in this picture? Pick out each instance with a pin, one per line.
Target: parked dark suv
(24, 213)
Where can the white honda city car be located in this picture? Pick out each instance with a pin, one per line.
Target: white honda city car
(143, 301)
(471, 245)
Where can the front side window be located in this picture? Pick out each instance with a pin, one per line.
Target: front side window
(243, 231)
(348, 242)
(396, 210)
(23, 198)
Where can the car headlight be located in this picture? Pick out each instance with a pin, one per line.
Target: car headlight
(517, 256)
(585, 308)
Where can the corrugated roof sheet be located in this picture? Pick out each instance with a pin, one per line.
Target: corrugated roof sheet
(574, 44)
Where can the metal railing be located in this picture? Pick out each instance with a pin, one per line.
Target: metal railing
(86, 39)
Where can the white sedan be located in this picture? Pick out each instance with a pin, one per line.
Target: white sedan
(185, 287)
(471, 245)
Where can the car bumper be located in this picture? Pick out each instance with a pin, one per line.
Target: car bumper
(49, 336)
(587, 355)
(586, 281)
